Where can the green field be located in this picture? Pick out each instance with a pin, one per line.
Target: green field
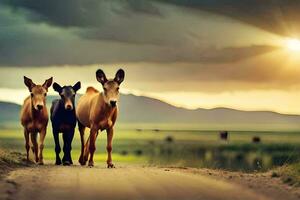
(184, 148)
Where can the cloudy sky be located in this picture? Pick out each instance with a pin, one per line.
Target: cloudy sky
(203, 53)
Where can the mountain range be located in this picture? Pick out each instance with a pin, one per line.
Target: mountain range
(144, 112)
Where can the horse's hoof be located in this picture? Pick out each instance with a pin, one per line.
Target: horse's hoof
(66, 163)
(111, 166)
(91, 164)
(58, 163)
(82, 161)
(41, 163)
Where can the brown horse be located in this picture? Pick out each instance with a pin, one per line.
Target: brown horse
(34, 117)
(98, 111)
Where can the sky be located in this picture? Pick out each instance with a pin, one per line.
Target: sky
(191, 53)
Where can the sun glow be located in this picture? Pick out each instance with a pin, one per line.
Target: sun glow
(293, 44)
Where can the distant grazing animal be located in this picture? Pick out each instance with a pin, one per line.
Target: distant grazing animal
(63, 120)
(224, 135)
(169, 139)
(98, 111)
(256, 139)
(34, 117)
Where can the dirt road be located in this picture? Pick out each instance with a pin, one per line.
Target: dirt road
(51, 182)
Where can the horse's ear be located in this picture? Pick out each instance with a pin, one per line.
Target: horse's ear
(100, 75)
(77, 86)
(120, 75)
(57, 87)
(28, 82)
(48, 83)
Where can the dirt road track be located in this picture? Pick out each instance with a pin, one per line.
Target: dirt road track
(63, 183)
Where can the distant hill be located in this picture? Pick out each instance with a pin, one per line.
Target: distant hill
(144, 110)
(9, 114)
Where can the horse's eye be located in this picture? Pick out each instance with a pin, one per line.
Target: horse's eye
(31, 94)
(118, 89)
(45, 94)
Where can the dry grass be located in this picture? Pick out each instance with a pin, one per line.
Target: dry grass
(10, 161)
(289, 174)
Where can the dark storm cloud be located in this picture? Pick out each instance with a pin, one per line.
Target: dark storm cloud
(81, 13)
(97, 20)
(141, 6)
(134, 23)
(89, 32)
(277, 16)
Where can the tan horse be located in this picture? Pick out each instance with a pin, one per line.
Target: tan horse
(98, 111)
(34, 117)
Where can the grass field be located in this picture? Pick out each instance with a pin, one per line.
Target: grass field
(184, 148)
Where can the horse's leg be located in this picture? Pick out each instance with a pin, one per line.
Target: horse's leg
(57, 147)
(68, 137)
(71, 136)
(35, 150)
(92, 145)
(110, 134)
(41, 145)
(27, 146)
(65, 148)
(81, 128)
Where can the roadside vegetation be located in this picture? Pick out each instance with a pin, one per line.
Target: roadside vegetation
(289, 174)
(11, 160)
(182, 148)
